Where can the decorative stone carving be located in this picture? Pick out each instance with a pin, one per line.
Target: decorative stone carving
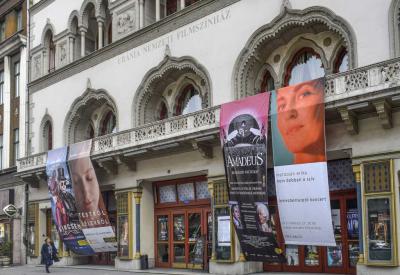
(170, 64)
(126, 21)
(289, 22)
(37, 65)
(350, 120)
(384, 111)
(63, 53)
(204, 149)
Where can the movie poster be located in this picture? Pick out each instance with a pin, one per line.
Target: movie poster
(301, 177)
(243, 133)
(63, 203)
(93, 216)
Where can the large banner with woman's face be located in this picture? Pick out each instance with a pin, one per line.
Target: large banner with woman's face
(301, 177)
(243, 133)
(91, 210)
(77, 205)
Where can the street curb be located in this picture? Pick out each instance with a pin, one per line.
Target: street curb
(149, 271)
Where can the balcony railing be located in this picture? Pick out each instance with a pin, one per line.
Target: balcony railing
(339, 87)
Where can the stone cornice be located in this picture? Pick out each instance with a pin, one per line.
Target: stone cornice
(39, 6)
(166, 25)
(12, 44)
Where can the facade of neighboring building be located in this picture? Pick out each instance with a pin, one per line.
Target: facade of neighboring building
(145, 80)
(13, 53)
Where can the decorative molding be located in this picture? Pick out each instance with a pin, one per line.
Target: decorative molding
(109, 164)
(350, 120)
(145, 92)
(251, 57)
(168, 24)
(39, 6)
(394, 35)
(46, 119)
(384, 110)
(72, 118)
(205, 150)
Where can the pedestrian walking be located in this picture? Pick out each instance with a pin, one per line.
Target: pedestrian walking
(49, 253)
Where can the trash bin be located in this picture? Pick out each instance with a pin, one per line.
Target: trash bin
(144, 262)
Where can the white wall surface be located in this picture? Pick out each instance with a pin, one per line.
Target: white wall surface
(216, 48)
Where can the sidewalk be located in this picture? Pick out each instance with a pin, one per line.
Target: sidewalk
(108, 270)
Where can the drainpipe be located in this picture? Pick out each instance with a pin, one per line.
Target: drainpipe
(27, 149)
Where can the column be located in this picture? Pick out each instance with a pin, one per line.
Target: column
(357, 177)
(71, 49)
(141, 14)
(157, 10)
(7, 113)
(100, 22)
(182, 4)
(83, 37)
(138, 196)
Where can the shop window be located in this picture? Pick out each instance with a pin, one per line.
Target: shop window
(189, 101)
(380, 216)
(124, 225)
(268, 83)
(109, 124)
(305, 65)
(33, 233)
(224, 232)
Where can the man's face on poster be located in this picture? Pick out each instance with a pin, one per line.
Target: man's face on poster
(300, 117)
(85, 185)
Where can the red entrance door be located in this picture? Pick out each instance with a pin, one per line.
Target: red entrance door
(339, 259)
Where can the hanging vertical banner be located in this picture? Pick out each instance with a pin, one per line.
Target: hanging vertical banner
(63, 204)
(92, 213)
(301, 176)
(243, 133)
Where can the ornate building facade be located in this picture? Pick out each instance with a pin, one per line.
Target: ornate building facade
(145, 80)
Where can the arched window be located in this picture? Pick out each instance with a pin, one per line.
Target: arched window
(268, 83)
(342, 62)
(305, 65)
(189, 101)
(48, 136)
(77, 39)
(163, 111)
(50, 49)
(109, 124)
(90, 132)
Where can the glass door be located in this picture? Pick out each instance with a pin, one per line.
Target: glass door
(162, 240)
(195, 232)
(179, 240)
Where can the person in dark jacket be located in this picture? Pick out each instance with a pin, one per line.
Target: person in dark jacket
(48, 252)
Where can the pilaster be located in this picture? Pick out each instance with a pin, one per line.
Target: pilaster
(7, 113)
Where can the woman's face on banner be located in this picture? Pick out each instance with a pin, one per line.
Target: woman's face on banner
(86, 187)
(300, 118)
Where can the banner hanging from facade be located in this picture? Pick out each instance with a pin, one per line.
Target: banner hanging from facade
(301, 176)
(77, 205)
(243, 133)
(92, 213)
(63, 204)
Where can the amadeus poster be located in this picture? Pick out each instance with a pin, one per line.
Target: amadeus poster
(301, 177)
(63, 204)
(92, 213)
(243, 132)
(77, 206)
